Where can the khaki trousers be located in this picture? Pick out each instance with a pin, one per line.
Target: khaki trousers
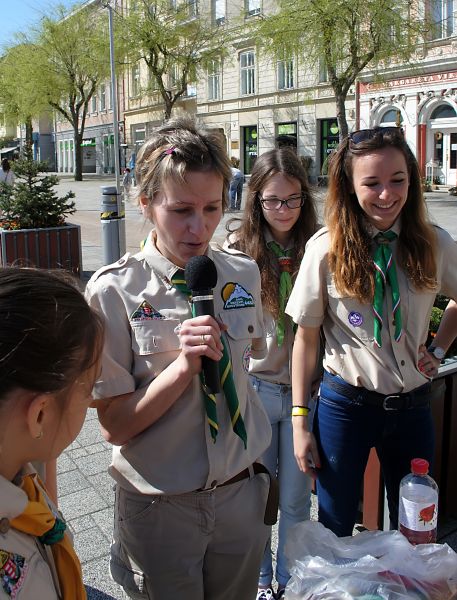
(204, 545)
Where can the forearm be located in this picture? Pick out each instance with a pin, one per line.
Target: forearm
(125, 416)
(447, 331)
(304, 358)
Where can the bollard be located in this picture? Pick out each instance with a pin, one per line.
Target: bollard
(112, 215)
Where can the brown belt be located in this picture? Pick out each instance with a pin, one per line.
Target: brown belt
(271, 508)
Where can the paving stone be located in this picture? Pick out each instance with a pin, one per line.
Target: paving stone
(81, 503)
(90, 543)
(94, 463)
(104, 521)
(103, 483)
(98, 581)
(94, 448)
(77, 452)
(65, 463)
(72, 481)
(90, 433)
(81, 523)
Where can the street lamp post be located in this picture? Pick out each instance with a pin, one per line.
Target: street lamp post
(113, 222)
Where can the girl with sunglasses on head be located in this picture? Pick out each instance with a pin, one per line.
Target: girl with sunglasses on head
(278, 220)
(369, 278)
(50, 343)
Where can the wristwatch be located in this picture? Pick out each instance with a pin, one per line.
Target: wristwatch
(437, 352)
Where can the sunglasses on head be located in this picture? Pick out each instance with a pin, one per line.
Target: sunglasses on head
(363, 135)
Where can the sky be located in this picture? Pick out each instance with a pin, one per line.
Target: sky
(18, 15)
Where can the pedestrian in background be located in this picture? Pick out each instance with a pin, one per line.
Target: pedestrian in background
(236, 185)
(370, 279)
(279, 218)
(127, 182)
(6, 174)
(190, 497)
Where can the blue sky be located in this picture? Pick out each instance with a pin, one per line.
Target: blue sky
(18, 15)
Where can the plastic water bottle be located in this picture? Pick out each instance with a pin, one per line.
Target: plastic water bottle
(418, 506)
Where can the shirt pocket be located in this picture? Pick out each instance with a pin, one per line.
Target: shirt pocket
(355, 318)
(242, 324)
(156, 335)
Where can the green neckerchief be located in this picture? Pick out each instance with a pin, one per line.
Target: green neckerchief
(285, 285)
(386, 273)
(227, 383)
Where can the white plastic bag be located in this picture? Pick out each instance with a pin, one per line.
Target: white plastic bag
(373, 565)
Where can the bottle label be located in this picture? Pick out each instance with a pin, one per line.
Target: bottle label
(418, 516)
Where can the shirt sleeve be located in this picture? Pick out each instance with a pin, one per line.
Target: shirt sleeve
(308, 300)
(117, 356)
(448, 258)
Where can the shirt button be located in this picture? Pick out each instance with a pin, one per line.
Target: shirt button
(4, 525)
(250, 328)
(402, 363)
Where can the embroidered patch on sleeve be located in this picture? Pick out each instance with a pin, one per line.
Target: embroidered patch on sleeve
(13, 568)
(145, 312)
(235, 295)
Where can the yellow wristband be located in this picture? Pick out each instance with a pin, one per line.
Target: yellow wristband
(300, 411)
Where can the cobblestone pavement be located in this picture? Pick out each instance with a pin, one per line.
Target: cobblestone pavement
(86, 494)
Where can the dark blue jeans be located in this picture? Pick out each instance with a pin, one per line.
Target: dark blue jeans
(345, 433)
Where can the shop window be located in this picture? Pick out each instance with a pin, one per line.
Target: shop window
(250, 150)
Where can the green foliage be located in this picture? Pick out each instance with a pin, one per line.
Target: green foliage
(435, 319)
(344, 36)
(167, 37)
(31, 202)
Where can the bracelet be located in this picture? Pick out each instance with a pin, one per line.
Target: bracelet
(300, 411)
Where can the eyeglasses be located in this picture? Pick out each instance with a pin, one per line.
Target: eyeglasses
(273, 203)
(363, 135)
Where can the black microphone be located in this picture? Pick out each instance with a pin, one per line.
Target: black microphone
(201, 278)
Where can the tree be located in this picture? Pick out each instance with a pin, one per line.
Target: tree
(32, 202)
(173, 41)
(345, 35)
(64, 61)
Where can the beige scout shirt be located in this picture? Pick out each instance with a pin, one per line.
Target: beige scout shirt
(350, 351)
(25, 565)
(176, 453)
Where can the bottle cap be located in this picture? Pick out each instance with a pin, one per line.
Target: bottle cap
(419, 466)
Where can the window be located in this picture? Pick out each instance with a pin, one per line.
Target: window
(135, 80)
(389, 118)
(442, 18)
(285, 74)
(218, 11)
(174, 76)
(102, 96)
(214, 80)
(94, 103)
(445, 111)
(323, 73)
(252, 7)
(247, 72)
(192, 8)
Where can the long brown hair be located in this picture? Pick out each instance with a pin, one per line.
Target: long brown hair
(249, 237)
(350, 258)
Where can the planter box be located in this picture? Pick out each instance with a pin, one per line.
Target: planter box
(46, 248)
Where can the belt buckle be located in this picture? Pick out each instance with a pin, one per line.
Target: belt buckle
(208, 489)
(386, 398)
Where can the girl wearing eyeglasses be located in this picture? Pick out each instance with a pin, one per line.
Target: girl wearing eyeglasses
(278, 220)
(369, 279)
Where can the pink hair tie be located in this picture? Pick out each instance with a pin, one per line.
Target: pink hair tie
(171, 150)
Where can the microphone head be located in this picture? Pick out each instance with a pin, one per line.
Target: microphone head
(200, 273)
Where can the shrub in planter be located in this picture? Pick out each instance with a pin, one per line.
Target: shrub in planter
(435, 319)
(33, 219)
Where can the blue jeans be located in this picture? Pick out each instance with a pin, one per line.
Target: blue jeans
(294, 486)
(345, 432)
(236, 192)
